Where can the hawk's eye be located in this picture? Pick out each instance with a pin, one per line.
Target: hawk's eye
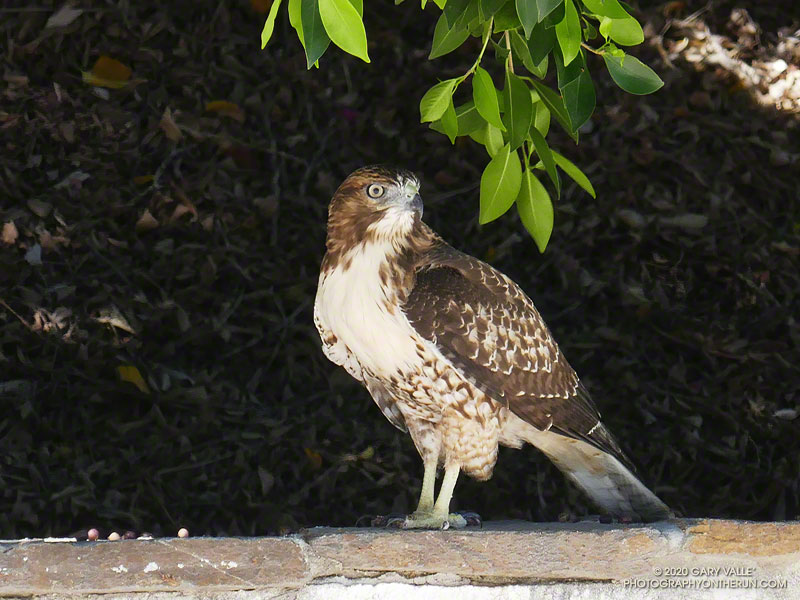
(375, 190)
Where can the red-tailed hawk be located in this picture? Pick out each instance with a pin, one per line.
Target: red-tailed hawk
(455, 353)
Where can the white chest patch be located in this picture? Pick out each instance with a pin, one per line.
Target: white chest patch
(352, 304)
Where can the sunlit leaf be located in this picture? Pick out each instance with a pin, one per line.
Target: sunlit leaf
(499, 184)
(535, 209)
(569, 32)
(449, 122)
(295, 19)
(446, 38)
(344, 26)
(632, 75)
(606, 8)
(269, 24)
(467, 118)
(359, 6)
(541, 116)
(626, 32)
(493, 140)
(436, 100)
(485, 96)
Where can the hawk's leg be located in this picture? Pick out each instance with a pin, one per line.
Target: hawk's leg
(439, 517)
(425, 506)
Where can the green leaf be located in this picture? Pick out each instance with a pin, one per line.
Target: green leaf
(506, 18)
(440, 3)
(493, 139)
(519, 110)
(488, 8)
(519, 48)
(535, 209)
(555, 17)
(485, 96)
(468, 120)
(574, 172)
(545, 7)
(344, 26)
(500, 52)
(541, 115)
(579, 99)
(446, 38)
(626, 32)
(454, 10)
(632, 75)
(565, 74)
(269, 25)
(555, 105)
(449, 122)
(568, 32)
(528, 14)
(499, 184)
(606, 8)
(295, 20)
(435, 101)
(546, 156)
(541, 43)
(359, 6)
(314, 35)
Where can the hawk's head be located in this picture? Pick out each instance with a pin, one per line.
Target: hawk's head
(374, 204)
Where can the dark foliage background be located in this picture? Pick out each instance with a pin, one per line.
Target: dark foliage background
(684, 330)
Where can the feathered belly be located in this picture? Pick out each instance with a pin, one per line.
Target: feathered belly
(364, 316)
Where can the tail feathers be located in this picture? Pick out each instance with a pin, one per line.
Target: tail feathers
(609, 483)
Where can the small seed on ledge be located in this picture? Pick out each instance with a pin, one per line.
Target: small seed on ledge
(92, 535)
(183, 532)
(113, 536)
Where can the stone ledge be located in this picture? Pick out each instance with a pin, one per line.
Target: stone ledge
(760, 557)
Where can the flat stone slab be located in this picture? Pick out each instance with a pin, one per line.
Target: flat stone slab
(675, 559)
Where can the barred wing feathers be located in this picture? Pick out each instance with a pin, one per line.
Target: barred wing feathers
(490, 330)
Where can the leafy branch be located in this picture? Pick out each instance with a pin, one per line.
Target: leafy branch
(512, 124)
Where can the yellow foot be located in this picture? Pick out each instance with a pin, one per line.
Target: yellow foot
(434, 521)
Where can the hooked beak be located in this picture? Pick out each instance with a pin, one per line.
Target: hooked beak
(416, 204)
(412, 197)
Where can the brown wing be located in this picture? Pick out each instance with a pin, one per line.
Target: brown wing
(490, 330)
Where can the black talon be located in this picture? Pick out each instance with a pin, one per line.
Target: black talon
(365, 521)
(472, 518)
(396, 522)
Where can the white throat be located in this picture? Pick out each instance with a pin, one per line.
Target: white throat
(362, 312)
